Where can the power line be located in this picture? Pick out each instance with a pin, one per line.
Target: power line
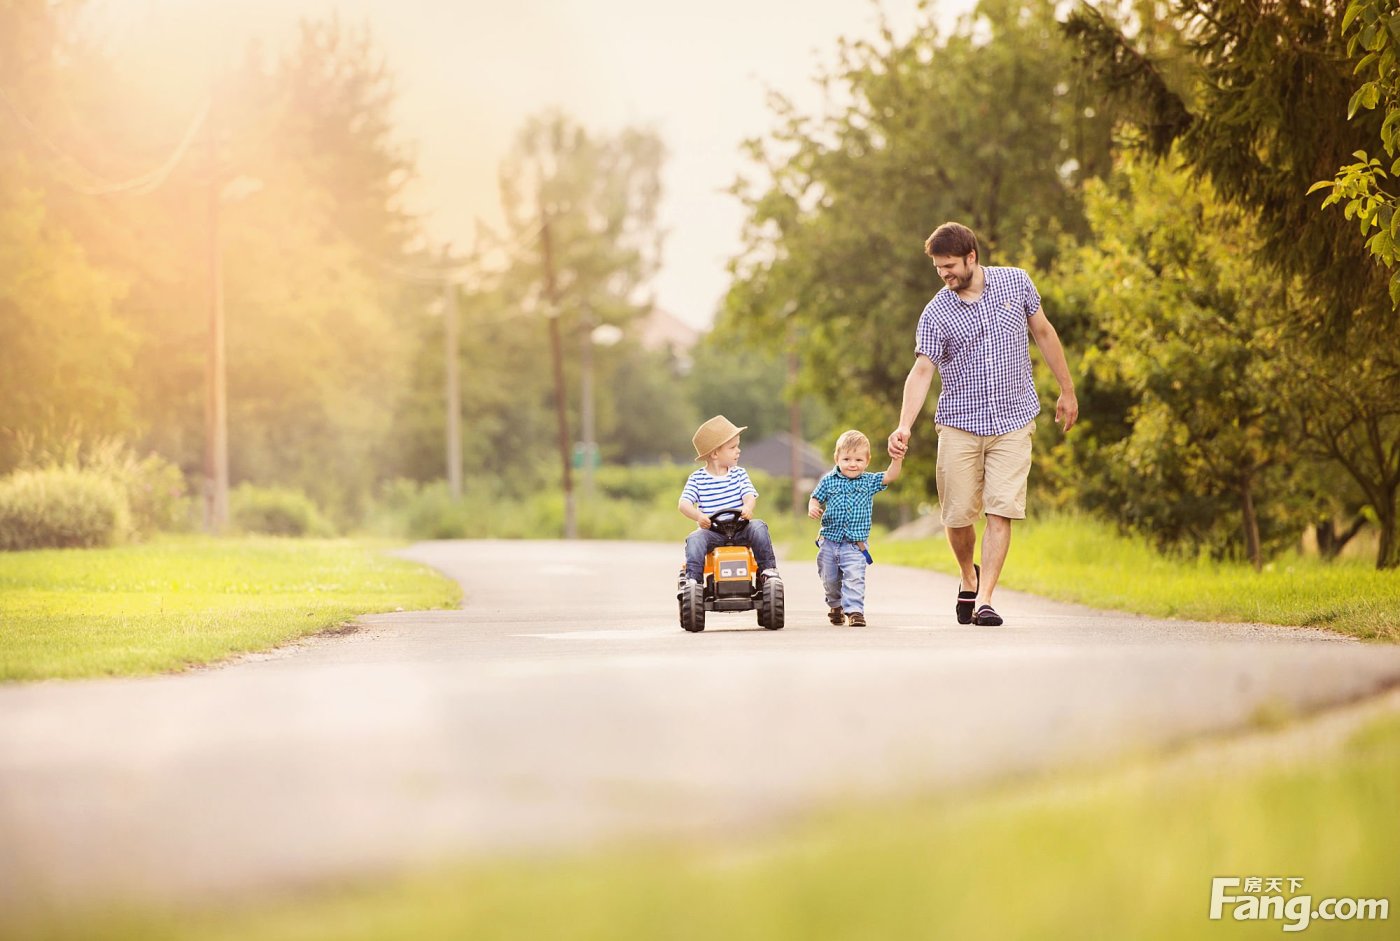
(138, 185)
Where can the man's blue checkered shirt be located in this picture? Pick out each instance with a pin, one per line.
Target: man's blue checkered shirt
(847, 504)
(983, 354)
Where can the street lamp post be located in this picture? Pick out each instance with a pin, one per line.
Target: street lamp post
(605, 334)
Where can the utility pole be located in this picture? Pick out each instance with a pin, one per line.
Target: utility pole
(453, 391)
(551, 294)
(216, 389)
(799, 505)
(590, 444)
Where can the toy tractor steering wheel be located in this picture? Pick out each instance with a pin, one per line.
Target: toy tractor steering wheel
(728, 523)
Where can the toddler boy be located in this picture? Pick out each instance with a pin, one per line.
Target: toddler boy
(844, 500)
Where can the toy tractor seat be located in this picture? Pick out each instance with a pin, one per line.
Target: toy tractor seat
(731, 581)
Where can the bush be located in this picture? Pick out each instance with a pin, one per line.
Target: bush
(276, 511)
(155, 491)
(628, 503)
(62, 508)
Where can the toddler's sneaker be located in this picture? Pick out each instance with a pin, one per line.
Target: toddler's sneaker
(856, 618)
(835, 616)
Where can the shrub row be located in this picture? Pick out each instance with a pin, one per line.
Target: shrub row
(62, 508)
(110, 497)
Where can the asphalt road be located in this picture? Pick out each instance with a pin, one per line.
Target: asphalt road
(562, 706)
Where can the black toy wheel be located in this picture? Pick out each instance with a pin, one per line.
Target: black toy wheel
(693, 608)
(770, 605)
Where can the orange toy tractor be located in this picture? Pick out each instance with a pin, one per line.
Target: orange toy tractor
(730, 581)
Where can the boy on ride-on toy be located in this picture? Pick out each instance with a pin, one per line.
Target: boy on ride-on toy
(722, 485)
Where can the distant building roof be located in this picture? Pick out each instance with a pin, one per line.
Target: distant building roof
(774, 455)
(659, 330)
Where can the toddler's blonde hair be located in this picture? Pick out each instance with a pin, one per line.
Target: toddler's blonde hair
(850, 441)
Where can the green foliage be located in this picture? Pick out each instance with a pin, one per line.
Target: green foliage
(626, 503)
(1366, 185)
(65, 357)
(600, 193)
(61, 507)
(1187, 333)
(748, 382)
(155, 489)
(642, 484)
(276, 511)
(334, 339)
(1265, 107)
(977, 125)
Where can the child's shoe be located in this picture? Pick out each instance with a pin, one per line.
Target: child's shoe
(835, 616)
(856, 618)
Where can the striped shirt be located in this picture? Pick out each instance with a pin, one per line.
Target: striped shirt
(982, 352)
(847, 504)
(712, 494)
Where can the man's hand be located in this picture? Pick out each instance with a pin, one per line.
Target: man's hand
(899, 443)
(1066, 410)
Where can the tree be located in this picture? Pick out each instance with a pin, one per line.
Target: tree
(65, 356)
(978, 125)
(1268, 107)
(1190, 330)
(1367, 188)
(1263, 108)
(598, 195)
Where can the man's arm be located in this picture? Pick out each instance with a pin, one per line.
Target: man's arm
(916, 387)
(1067, 405)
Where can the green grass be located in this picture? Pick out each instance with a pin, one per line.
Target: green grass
(177, 602)
(1081, 560)
(1124, 853)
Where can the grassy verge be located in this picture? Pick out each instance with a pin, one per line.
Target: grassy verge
(1080, 560)
(182, 601)
(1126, 853)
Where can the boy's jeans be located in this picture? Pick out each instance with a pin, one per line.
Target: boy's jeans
(699, 543)
(841, 566)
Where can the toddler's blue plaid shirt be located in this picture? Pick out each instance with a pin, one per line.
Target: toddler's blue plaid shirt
(847, 504)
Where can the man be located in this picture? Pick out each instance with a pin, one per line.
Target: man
(974, 332)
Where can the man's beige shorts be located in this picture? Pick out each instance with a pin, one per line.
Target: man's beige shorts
(979, 474)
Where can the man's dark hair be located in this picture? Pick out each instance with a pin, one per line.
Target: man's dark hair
(951, 238)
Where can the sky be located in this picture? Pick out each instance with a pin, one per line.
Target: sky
(469, 72)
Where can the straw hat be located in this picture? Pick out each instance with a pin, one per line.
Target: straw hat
(712, 434)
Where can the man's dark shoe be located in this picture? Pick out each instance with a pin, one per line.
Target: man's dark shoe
(856, 618)
(835, 616)
(968, 599)
(986, 616)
